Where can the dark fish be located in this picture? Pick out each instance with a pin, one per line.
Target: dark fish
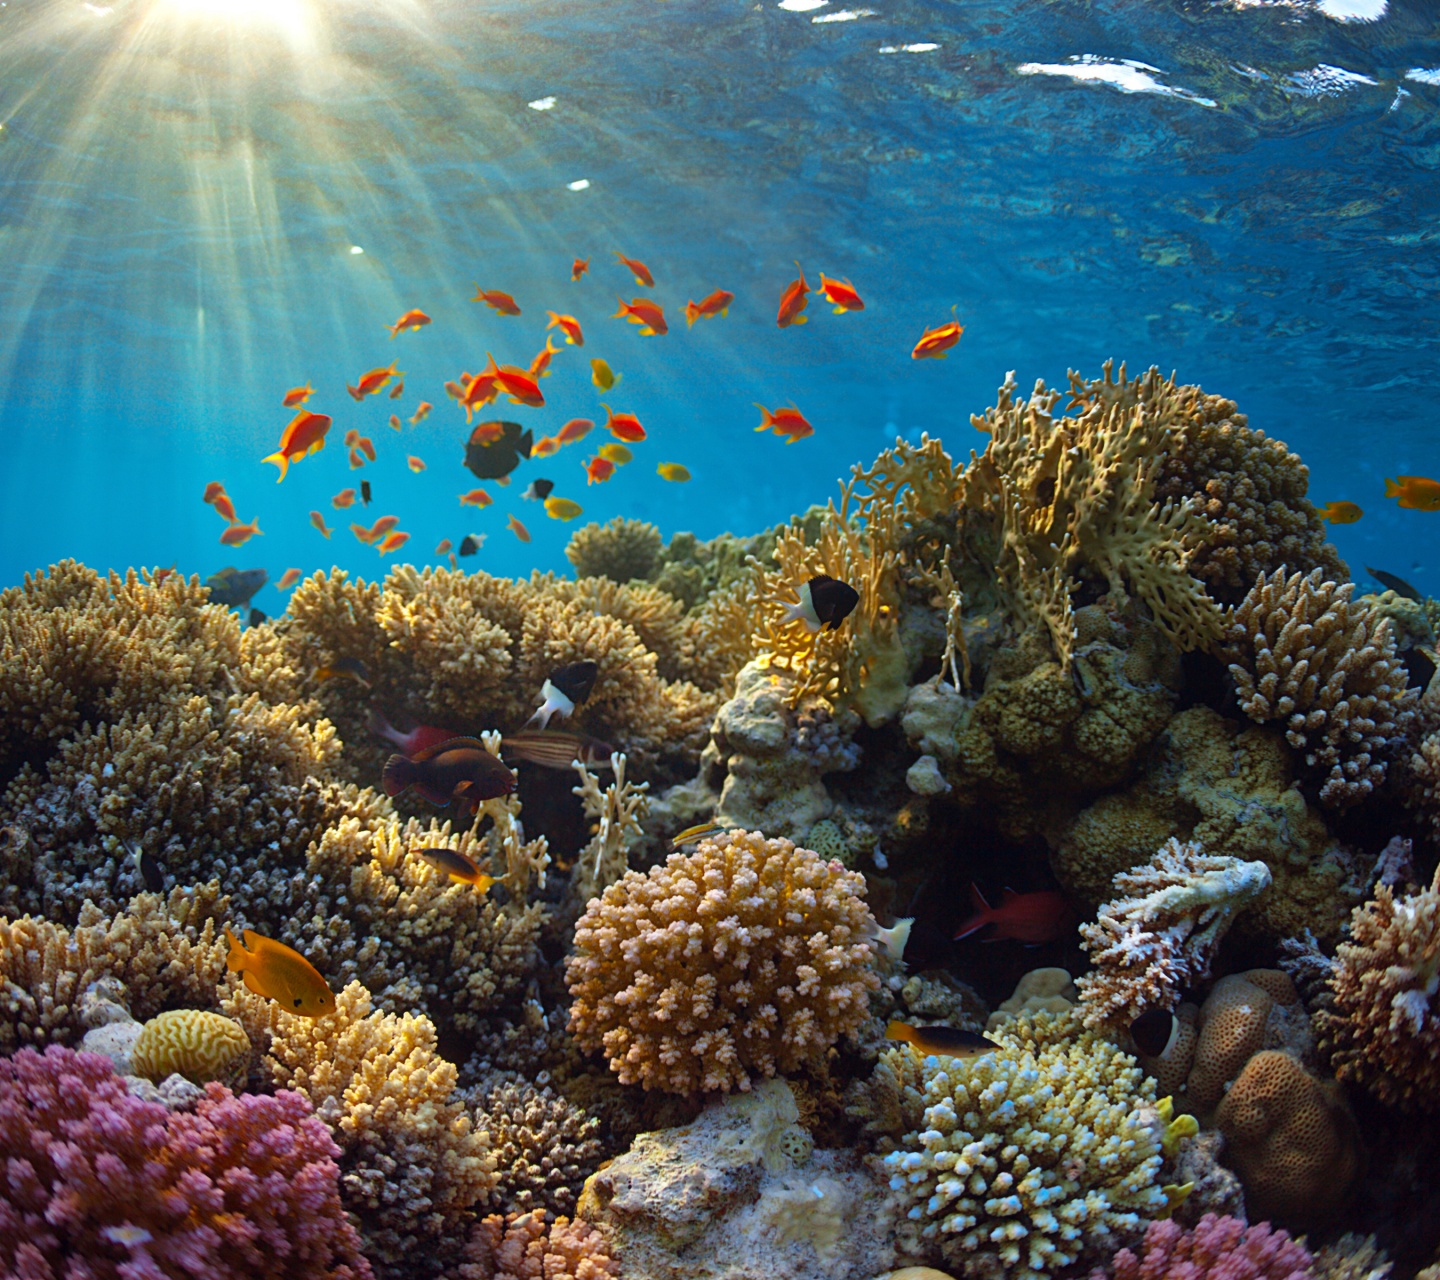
(948, 1042)
(365, 492)
(1398, 585)
(500, 456)
(471, 543)
(457, 866)
(460, 769)
(257, 616)
(345, 669)
(151, 872)
(566, 688)
(1154, 1032)
(539, 490)
(824, 602)
(234, 587)
(556, 749)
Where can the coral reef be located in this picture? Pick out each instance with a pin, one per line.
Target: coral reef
(524, 1247)
(1048, 990)
(544, 1147)
(1301, 652)
(194, 1043)
(99, 1178)
(621, 550)
(617, 813)
(1222, 1248)
(746, 957)
(1162, 934)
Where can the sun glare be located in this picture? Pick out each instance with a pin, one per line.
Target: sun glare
(292, 18)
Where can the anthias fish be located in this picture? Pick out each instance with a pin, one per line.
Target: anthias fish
(501, 303)
(575, 429)
(645, 312)
(540, 366)
(421, 738)
(1025, 917)
(637, 269)
(518, 529)
(840, 294)
(1393, 583)
(716, 304)
(234, 587)
(934, 343)
(1154, 1031)
(303, 435)
(279, 973)
(297, 396)
(288, 579)
(373, 381)
(788, 422)
(792, 302)
(564, 689)
(941, 1041)
(237, 535)
(567, 325)
(317, 518)
(457, 866)
(556, 749)
(623, 426)
(410, 321)
(460, 770)
(825, 602)
(579, 267)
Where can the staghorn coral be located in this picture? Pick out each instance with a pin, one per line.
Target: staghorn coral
(118, 1187)
(1162, 934)
(1030, 1158)
(525, 1247)
(1302, 653)
(746, 957)
(1382, 1029)
(620, 549)
(616, 812)
(194, 1043)
(1217, 1248)
(544, 1146)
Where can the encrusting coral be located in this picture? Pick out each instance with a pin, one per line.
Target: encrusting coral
(746, 957)
(1162, 934)
(1301, 652)
(1216, 1248)
(103, 1181)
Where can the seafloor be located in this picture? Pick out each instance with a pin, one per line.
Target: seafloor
(1113, 665)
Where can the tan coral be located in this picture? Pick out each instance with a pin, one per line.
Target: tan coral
(195, 1043)
(621, 550)
(746, 957)
(616, 813)
(544, 1146)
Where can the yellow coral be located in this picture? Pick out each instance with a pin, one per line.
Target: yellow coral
(195, 1043)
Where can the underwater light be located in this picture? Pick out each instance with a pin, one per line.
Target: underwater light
(289, 17)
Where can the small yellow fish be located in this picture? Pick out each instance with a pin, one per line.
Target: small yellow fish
(672, 471)
(947, 1042)
(562, 508)
(457, 866)
(1341, 512)
(616, 453)
(700, 831)
(601, 375)
(280, 973)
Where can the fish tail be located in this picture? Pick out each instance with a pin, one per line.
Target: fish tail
(235, 961)
(399, 773)
(281, 461)
(355, 394)
(1392, 490)
(624, 307)
(902, 1031)
(691, 311)
(977, 921)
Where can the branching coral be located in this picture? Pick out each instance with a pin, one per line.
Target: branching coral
(1217, 1248)
(1162, 933)
(1383, 1031)
(544, 1146)
(101, 1180)
(1024, 1160)
(744, 958)
(621, 550)
(1303, 654)
(616, 813)
(524, 1247)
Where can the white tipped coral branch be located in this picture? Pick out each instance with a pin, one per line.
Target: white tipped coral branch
(616, 811)
(525, 860)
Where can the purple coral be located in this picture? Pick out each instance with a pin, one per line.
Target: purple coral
(100, 1183)
(1218, 1248)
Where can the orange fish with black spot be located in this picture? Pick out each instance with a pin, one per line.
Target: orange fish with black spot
(279, 973)
(304, 435)
(1416, 493)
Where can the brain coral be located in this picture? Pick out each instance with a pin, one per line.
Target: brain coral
(1021, 1162)
(746, 957)
(194, 1043)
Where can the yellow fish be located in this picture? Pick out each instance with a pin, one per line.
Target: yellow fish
(601, 376)
(457, 866)
(700, 831)
(616, 453)
(672, 471)
(561, 508)
(1340, 512)
(280, 973)
(939, 1041)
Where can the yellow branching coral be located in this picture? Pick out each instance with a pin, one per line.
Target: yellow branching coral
(744, 958)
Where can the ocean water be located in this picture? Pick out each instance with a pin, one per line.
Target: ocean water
(206, 202)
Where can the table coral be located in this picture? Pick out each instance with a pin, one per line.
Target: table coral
(1162, 933)
(1030, 1158)
(743, 958)
(1301, 652)
(101, 1179)
(1217, 1248)
(1383, 1029)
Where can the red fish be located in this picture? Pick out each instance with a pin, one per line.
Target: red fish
(318, 521)
(212, 491)
(598, 470)
(376, 531)
(544, 447)
(411, 320)
(579, 267)
(569, 326)
(575, 429)
(297, 396)
(518, 529)
(644, 312)
(717, 304)
(460, 769)
(421, 738)
(288, 579)
(343, 499)
(792, 302)
(1026, 917)
(478, 391)
(397, 390)
(841, 294)
(304, 435)
(790, 423)
(638, 269)
(356, 460)
(237, 535)
(515, 382)
(475, 498)
(367, 447)
(395, 422)
(934, 343)
(444, 546)
(624, 426)
(501, 303)
(372, 381)
(415, 464)
(540, 366)
(393, 542)
(454, 390)
(421, 413)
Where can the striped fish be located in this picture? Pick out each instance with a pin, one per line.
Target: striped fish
(556, 749)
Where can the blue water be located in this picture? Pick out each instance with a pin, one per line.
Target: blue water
(181, 191)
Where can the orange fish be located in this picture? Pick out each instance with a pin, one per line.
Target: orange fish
(355, 459)
(372, 381)
(478, 391)
(445, 545)
(237, 535)
(579, 267)
(1416, 493)
(297, 396)
(415, 464)
(343, 499)
(624, 426)
(475, 498)
(393, 542)
(598, 470)
(279, 973)
(934, 343)
(352, 437)
(789, 423)
(1341, 512)
(304, 435)
(575, 429)
(487, 433)
(318, 521)
(397, 390)
(394, 422)
(638, 269)
(644, 312)
(411, 320)
(226, 508)
(454, 390)
(717, 304)
(288, 579)
(380, 528)
(212, 491)
(362, 534)
(517, 383)
(841, 294)
(421, 413)
(502, 303)
(792, 302)
(544, 447)
(569, 326)
(367, 447)
(518, 529)
(540, 366)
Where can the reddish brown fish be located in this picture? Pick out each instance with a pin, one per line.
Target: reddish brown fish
(460, 769)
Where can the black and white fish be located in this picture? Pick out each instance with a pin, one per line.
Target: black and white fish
(824, 602)
(566, 688)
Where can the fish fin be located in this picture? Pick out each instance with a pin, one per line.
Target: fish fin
(235, 961)
(839, 310)
(281, 461)
(800, 320)
(1392, 490)
(250, 981)
(977, 899)
(1007, 896)
(399, 773)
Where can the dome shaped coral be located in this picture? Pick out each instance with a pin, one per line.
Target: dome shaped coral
(744, 958)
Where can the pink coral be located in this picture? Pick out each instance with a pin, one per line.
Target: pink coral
(524, 1247)
(102, 1184)
(1216, 1249)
